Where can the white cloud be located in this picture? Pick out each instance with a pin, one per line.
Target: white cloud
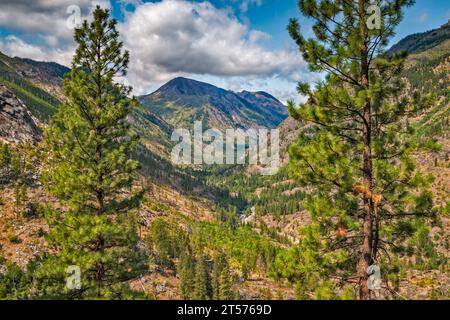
(44, 24)
(14, 46)
(165, 39)
(44, 16)
(175, 37)
(281, 88)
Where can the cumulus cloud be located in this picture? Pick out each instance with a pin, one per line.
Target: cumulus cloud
(166, 39)
(46, 24)
(44, 16)
(175, 37)
(16, 47)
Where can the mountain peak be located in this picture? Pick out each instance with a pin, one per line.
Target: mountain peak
(260, 94)
(188, 87)
(183, 100)
(180, 80)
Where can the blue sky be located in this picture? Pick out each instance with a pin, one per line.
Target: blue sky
(235, 44)
(272, 16)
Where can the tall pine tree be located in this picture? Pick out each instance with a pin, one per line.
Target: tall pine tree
(202, 280)
(186, 270)
(5, 158)
(355, 150)
(89, 169)
(219, 263)
(225, 285)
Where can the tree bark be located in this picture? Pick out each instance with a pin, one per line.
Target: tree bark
(366, 257)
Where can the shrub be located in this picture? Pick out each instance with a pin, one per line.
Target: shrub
(13, 238)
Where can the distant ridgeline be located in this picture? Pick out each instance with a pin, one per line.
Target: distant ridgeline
(183, 101)
(422, 41)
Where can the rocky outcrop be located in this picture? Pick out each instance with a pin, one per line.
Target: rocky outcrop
(17, 125)
(289, 131)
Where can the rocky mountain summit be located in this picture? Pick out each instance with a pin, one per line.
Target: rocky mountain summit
(182, 101)
(16, 122)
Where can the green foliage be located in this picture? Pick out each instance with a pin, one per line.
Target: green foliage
(89, 169)
(5, 157)
(243, 245)
(186, 270)
(348, 293)
(225, 289)
(11, 163)
(228, 217)
(434, 123)
(202, 280)
(422, 41)
(13, 238)
(355, 154)
(165, 242)
(268, 194)
(325, 291)
(200, 249)
(20, 194)
(40, 103)
(17, 164)
(14, 282)
(219, 264)
(5, 163)
(222, 281)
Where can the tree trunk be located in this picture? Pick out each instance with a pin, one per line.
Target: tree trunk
(366, 257)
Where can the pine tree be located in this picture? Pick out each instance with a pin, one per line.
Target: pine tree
(5, 162)
(245, 270)
(17, 166)
(219, 263)
(14, 282)
(18, 174)
(356, 151)
(5, 158)
(225, 289)
(20, 194)
(202, 281)
(187, 275)
(162, 243)
(90, 170)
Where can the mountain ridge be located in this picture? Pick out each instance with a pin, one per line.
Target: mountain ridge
(422, 41)
(182, 101)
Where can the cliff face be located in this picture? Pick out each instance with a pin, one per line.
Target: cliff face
(17, 125)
